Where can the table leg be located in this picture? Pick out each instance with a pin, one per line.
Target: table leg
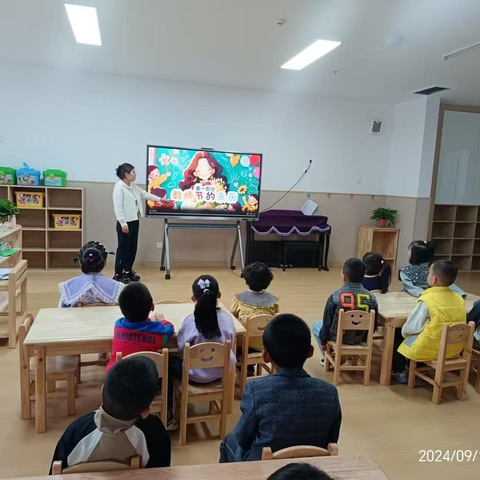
(40, 391)
(387, 354)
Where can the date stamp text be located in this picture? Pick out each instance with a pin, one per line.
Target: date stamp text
(445, 456)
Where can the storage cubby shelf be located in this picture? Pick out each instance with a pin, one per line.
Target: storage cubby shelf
(456, 235)
(43, 246)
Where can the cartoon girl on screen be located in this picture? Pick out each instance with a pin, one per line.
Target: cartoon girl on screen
(203, 170)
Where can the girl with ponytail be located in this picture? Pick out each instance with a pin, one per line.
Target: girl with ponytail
(208, 323)
(91, 286)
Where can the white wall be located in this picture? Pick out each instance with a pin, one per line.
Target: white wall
(412, 150)
(88, 123)
(406, 147)
(429, 144)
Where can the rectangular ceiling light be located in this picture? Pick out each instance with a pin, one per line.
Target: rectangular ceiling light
(84, 22)
(317, 49)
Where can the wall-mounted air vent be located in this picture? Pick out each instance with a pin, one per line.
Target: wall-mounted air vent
(431, 90)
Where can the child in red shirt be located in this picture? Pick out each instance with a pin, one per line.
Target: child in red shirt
(136, 332)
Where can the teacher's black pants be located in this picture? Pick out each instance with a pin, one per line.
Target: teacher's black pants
(127, 247)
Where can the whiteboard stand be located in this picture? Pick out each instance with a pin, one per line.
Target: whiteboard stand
(165, 261)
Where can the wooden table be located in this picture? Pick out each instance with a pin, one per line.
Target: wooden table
(358, 467)
(394, 309)
(76, 331)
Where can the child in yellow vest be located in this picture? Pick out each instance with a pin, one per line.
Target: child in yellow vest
(436, 306)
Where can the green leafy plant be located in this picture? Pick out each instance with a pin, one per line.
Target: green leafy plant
(7, 209)
(388, 214)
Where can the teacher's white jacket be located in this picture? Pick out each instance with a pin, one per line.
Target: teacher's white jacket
(128, 202)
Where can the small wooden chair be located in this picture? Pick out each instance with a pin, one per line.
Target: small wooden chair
(456, 333)
(335, 350)
(159, 404)
(254, 329)
(475, 366)
(58, 368)
(90, 467)
(204, 355)
(300, 451)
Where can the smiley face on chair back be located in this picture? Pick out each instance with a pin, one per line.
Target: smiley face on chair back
(206, 354)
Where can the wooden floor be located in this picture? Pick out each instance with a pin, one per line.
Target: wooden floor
(391, 424)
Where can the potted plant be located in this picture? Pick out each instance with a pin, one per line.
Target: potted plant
(386, 217)
(8, 210)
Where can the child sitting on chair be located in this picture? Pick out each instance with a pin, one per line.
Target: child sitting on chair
(208, 323)
(352, 296)
(92, 286)
(256, 301)
(378, 273)
(122, 427)
(414, 276)
(288, 407)
(436, 306)
(138, 331)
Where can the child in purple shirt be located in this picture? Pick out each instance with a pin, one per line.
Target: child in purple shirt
(208, 323)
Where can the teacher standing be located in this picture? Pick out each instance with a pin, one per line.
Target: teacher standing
(128, 204)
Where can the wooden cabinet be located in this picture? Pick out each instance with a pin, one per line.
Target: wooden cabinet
(379, 240)
(43, 245)
(456, 235)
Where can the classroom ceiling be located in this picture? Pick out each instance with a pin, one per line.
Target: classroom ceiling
(238, 43)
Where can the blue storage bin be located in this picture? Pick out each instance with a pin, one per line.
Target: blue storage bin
(28, 176)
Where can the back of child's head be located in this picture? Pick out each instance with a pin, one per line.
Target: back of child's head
(92, 257)
(421, 251)
(299, 471)
(135, 302)
(354, 270)
(130, 387)
(375, 264)
(445, 271)
(287, 340)
(257, 276)
(205, 290)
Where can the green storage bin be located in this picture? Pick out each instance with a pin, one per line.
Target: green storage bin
(55, 178)
(7, 176)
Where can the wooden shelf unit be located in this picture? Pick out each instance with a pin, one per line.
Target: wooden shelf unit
(44, 246)
(14, 288)
(456, 235)
(379, 240)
